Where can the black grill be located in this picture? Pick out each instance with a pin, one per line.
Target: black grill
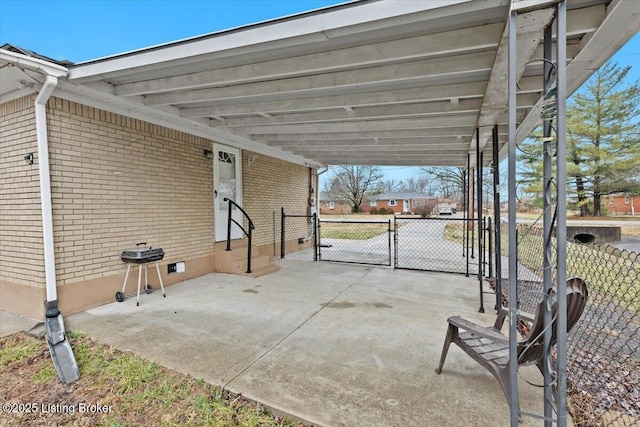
(142, 254)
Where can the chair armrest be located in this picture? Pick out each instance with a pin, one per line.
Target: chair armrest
(481, 331)
(503, 313)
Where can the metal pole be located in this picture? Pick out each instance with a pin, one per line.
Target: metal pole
(513, 262)
(464, 212)
(547, 229)
(315, 237)
(472, 193)
(282, 232)
(478, 187)
(561, 206)
(466, 222)
(490, 248)
(229, 226)
(389, 234)
(496, 216)
(249, 251)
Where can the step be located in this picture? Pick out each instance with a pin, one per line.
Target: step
(235, 260)
(263, 271)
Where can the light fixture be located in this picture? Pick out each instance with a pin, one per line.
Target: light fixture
(28, 158)
(208, 154)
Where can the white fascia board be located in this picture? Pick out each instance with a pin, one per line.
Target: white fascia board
(288, 33)
(97, 99)
(35, 64)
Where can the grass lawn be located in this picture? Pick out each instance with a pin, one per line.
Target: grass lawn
(115, 389)
(352, 231)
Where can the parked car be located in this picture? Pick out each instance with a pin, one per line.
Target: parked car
(445, 210)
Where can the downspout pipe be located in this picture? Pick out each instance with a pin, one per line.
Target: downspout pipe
(45, 186)
(59, 347)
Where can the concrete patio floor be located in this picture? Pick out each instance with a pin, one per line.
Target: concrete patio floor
(329, 344)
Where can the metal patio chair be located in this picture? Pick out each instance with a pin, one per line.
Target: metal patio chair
(490, 348)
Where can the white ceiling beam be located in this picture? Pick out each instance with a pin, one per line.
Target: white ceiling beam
(371, 143)
(312, 128)
(416, 132)
(470, 106)
(419, 71)
(468, 40)
(388, 97)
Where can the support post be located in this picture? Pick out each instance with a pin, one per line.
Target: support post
(547, 174)
(478, 187)
(496, 216)
(466, 222)
(513, 262)
(561, 206)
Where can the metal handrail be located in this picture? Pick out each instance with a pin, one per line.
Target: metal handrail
(248, 234)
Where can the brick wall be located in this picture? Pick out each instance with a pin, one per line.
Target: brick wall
(21, 254)
(270, 184)
(622, 204)
(117, 181)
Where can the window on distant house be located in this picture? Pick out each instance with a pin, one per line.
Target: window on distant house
(373, 203)
(626, 200)
(332, 205)
(611, 200)
(393, 203)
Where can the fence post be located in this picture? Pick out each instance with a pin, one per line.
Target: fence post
(490, 248)
(389, 237)
(282, 242)
(315, 237)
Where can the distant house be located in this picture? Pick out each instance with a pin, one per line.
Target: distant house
(333, 205)
(398, 202)
(623, 204)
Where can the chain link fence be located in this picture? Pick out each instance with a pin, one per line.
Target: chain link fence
(295, 236)
(604, 347)
(436, 244)
(361, 242)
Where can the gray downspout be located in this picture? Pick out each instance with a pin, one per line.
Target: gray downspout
(59, 346)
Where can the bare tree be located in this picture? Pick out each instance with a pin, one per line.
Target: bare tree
(418, 184)
(449, 181)
(390, 185)
(354, 183)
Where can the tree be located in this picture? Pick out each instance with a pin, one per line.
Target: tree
(449, 181)
(603, 144)
(602, 139)
(390, 185)
(354, 183)
(418, 184)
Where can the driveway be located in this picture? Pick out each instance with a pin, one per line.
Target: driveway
(334, 345)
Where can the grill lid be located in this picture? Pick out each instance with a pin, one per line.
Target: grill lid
(141, 254)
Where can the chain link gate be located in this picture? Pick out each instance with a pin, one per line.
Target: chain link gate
(356, 242)
(446, 245)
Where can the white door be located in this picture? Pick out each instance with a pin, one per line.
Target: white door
(406, 206)
(227, 183)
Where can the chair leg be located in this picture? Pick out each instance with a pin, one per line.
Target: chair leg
(451, 331)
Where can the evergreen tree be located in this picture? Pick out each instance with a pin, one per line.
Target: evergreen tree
(603, 142)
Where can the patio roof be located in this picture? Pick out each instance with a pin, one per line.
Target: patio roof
(368, 82)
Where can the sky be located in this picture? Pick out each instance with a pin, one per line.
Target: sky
(81, 30)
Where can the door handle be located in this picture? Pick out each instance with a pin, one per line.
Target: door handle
(215, 194)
